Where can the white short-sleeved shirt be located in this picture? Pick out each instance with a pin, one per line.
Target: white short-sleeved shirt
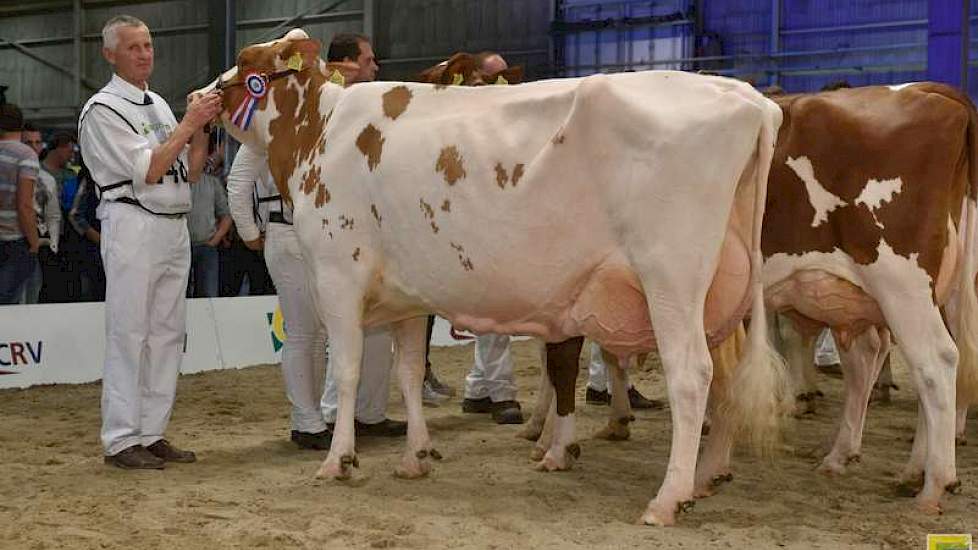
(118, 129)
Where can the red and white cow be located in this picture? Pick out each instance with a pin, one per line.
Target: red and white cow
(870, 229)
(551, 209)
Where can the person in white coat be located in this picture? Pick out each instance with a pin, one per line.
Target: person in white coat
(256, 205)
(143, 162)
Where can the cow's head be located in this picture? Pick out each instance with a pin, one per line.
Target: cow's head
(467, 69)
(277, 100)
(255, 89)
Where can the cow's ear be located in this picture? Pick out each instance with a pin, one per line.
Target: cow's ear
(513, 75)
(432, 75)
(306, 49)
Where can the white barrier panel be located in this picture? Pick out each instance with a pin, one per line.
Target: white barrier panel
(65, 343)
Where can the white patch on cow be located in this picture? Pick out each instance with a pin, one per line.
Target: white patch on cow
(296, 34)
(822, 200)
(229, 74)
(898, 87)
(877, 192)
(890, 273)
(293, 83)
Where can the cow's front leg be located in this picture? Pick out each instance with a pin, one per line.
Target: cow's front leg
(346, 352)
(409, 340)
(562, 368)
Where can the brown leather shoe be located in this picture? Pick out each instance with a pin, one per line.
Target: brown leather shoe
(162, 449)
(135, 458)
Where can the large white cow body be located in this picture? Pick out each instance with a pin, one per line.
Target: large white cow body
(544, 209)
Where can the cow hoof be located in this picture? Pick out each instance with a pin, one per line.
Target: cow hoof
(574, 450)
(530, 432)
(704, 491)
(929, 507)
(953, 487)
(413, 466)
(658, 515)
(614, 431)
(831, 467)
(720, 479)
(343, 470)
(537, 453)
(551, 463)
(910, 486)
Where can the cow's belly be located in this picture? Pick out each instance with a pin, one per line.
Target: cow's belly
(819, 289)
(612, 309)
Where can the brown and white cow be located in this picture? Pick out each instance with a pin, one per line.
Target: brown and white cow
(565, 208)
(870, 229)
(471, 69)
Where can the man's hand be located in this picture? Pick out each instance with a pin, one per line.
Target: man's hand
(257, 245)
(202, 109)
(34, 248)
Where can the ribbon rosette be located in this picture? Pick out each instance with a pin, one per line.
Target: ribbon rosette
(257, 87)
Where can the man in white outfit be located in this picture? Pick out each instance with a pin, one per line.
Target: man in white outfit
(139, 157)
(599, 390)
(304, 364)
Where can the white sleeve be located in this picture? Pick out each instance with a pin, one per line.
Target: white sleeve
(53, 217)
(112, 149)
(248, 165)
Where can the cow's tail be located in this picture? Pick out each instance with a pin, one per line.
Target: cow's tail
(966, 322)
(757, 393)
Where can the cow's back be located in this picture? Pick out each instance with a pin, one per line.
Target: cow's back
(495, 205)
(858, 169)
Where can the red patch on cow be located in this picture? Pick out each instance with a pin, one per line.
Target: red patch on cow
(371, 144)
(396, 101)
(322, 196)
(450, 164)
(517, 174)
(502, 178)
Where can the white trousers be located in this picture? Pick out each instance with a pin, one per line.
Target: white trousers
(304, 357)
(147, 262)
(825, 351)
(492, 373)
(597, 371)
(304, 349)
(375, 375)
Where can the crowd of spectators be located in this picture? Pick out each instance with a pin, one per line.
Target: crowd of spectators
(64, 263)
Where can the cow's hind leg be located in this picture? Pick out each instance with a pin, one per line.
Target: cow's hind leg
(563, 366)
(961, 422)
(861, 364)
(409, 347)
(620, 415)
(545, 395)
(713, 468)
(933, 357)
(799, 349)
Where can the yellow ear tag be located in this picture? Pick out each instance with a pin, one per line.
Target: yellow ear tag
(457, 79)
(500, 81)
(337, 78)
(295, 62)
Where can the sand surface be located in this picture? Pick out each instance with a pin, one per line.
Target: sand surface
(252, 488)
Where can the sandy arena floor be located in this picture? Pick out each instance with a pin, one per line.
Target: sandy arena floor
(253, 489)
